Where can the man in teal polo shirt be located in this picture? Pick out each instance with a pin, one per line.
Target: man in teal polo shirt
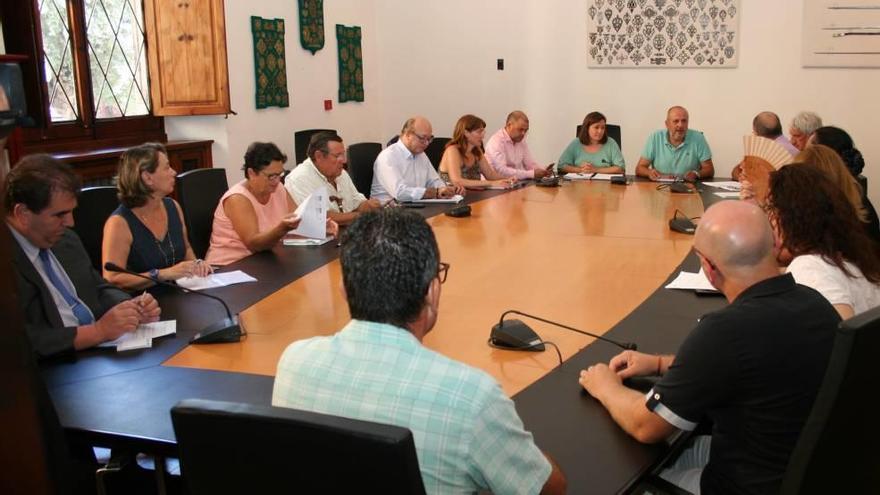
(676, 151)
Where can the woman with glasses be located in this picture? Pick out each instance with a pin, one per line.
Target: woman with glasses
(464, 161)
(146, 233)
(256, 213)
(592, 151)
(822, 242)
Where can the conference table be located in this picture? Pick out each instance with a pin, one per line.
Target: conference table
(589, 254)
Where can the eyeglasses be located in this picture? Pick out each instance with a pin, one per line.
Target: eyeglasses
(424, 139)
(442, 271)
(273, 177)
(337, 200)
(336, 156)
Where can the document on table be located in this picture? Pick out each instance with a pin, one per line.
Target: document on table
(305, 241)
(455, 199)
(590, 176)
(313, 215)
(215, 280)
(142, 337)
(727, 185)
(727, 194)
(691, 281)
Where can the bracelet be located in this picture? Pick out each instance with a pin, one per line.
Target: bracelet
(659, 363)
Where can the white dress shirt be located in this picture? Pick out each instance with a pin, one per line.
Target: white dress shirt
(306, 178)
(399, 174)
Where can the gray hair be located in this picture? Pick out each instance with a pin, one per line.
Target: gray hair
(806, 122)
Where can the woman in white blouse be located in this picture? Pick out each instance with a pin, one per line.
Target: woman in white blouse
(822, 242)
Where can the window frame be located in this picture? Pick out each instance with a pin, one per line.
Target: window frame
(23, 35)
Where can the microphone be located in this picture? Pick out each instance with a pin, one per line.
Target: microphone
(225, 330)
(516, 335)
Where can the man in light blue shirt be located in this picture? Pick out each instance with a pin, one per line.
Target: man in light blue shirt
(467, 433)
(403, 171)
(676, 151)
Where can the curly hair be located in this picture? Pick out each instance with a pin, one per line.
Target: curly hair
(816, 218)
(841, 142)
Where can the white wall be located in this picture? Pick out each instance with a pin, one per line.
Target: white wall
(310, 81)
(438, 59)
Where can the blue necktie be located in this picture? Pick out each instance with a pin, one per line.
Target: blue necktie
(79, 309)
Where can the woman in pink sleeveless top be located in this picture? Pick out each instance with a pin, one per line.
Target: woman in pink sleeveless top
(257, 212)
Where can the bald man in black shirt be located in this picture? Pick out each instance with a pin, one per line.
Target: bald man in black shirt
(752, 368)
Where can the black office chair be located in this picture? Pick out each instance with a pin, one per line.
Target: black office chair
(435, 150)
(837, 449)
(198, 192)
(301, 142)
(395, 138)
(236, 448)
(612, 130)
(93, 209)
(361, 157)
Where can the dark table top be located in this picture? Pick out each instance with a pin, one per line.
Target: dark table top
(115, 399)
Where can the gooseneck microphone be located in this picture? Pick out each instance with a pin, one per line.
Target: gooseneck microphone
(225, 330)
(516, 335)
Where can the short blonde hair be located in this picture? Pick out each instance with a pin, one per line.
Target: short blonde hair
(130, 187)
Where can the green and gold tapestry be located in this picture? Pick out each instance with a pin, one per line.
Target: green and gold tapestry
(351, 70)
(270, 70)
(311, 24)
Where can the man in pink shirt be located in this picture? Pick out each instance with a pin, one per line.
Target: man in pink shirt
(508, 152)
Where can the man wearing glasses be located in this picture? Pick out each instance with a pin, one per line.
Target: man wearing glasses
(508, 152)
(325, 167)
(467, 434)
(403, 172)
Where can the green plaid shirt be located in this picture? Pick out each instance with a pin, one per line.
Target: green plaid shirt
(467, 434)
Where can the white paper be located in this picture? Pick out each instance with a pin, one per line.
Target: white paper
(590, 176)
(691, 281)
(313, 215)
(142, 337)
(727, 185)
(727, 194)
(455, 199)
(215, 280)
(304, 241)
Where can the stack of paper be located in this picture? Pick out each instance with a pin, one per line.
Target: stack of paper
(590, 176)
(215, 280)
(455, 199)
(691, 281)
(142, 337)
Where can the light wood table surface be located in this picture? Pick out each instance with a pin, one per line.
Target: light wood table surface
(585, 254)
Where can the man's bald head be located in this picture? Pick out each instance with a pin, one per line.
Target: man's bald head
(416, 134)
(767, 124)
(736, 237)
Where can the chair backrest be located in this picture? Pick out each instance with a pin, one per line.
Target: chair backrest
(837, 449)
(239, 448)
(93, 209)
(435, 150)
(612, 130)
(361, 157)
(301, 143)
(198, 192)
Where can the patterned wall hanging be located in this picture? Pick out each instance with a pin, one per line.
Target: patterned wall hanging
(351, 71)
(270, 71)
(662, 33)
(311, 24)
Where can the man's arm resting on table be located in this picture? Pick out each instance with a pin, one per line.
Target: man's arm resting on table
(556, 482)
(707, 169)
(626, 406)
(643, 169)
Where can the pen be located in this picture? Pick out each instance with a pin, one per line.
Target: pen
(594, 174)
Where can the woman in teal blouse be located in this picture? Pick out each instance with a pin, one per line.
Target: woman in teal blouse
(592, 151)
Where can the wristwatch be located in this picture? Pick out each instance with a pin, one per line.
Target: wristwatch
(154, 274)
